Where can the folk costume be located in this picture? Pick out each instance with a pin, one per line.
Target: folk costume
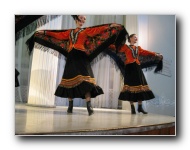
(80, 46)
(131, 60)
(135, 85)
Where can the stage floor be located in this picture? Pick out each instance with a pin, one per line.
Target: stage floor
(31, 120)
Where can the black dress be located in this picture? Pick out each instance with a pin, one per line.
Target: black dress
(79, 77)
(135, 85)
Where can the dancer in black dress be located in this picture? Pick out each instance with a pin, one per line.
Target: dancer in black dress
(135, 87)
(80, 46)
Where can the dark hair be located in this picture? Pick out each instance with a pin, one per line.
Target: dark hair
(75, 17)
(130, 37)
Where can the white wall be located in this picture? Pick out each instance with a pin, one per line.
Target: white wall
(161, 38)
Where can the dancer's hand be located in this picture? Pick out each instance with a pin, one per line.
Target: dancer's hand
(160, 57)
(115, 25)
(40, 31)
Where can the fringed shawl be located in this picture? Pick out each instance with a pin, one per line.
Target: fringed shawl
(26, 24)
(147, 62)
(93, 45)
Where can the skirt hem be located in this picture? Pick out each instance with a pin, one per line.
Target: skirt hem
(79, 91)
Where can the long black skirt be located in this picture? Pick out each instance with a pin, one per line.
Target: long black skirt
(135, 85)
(78, 78)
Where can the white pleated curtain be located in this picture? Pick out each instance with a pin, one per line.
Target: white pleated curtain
(23, 65)
(44, 70)
(24, 62)
(47, 69)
